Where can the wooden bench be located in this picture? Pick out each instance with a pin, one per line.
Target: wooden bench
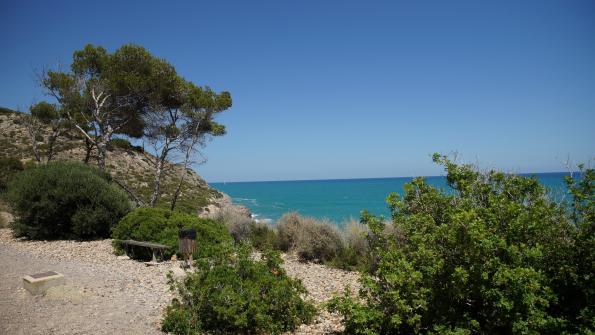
(153, 246)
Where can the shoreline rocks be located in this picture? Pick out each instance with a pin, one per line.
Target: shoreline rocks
(224, 204)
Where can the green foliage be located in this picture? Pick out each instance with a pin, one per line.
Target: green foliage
(8, 168)
(577, 282)
(355, 254)
(494, 257)
(123, 144)
(7, 111)
(262, 236)
(235, 294)
(45, 112)
(161, 226)
(65, 200)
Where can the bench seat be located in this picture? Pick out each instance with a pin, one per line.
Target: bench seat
(153, 246)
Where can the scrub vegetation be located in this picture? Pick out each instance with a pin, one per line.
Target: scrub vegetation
(497, 256)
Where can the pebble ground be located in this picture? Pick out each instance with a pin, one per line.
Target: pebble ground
(107, 295)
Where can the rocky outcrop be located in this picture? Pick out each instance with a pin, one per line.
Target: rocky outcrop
(224, 204)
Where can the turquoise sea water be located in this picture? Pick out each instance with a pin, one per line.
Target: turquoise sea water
(337, 200)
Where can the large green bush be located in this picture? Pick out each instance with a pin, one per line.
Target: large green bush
(231, 293)
(161, 226)
(496, 256)
(65, 200)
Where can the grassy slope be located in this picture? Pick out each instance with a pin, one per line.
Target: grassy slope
(129, 167)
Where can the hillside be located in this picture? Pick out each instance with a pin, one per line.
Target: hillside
(130, 166)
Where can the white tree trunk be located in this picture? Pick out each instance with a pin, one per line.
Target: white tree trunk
(157, 181)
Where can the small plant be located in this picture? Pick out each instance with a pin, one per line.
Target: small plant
(232, 293)
(65, 200)
(161, 226)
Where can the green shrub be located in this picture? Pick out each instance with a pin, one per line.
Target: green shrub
(494, 257)
(310, 239)
(161, 226)
(235, 294)
(355, 253)
(65, 200)
(7, 111)
(123, 144)
(9, 167)
(262, 236)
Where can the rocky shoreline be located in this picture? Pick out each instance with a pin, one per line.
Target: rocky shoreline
(105, 294)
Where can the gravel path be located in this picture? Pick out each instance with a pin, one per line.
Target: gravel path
(107, 295)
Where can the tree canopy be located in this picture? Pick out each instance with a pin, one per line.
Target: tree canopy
(133, 93)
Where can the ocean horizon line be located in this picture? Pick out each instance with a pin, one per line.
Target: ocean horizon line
(373, 178)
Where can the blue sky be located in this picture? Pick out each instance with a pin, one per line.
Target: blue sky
(340, 89)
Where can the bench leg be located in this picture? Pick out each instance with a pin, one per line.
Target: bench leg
(154, 258)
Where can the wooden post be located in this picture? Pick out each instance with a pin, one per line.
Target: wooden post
(187, 243)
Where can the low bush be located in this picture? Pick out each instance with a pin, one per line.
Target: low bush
(496, 256)
(65, 200)
(237, 223)
(244, 229)
(262, 236)
(9, 167)
(162, 226)
(355, 252)
(310, 239)
(234, 294)
(5, 216)
(123, 144)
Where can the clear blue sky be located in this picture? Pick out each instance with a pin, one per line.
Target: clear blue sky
(338, 89)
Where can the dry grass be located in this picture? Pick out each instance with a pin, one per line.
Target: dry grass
(355, 236)
(239, 225)
(310, 239)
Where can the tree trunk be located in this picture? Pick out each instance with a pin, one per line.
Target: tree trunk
(88, 148)
(101, 153)
(101, 143)
(51, 143)
(157, 182)
(137, 202)
(174, 199)
(32, 134)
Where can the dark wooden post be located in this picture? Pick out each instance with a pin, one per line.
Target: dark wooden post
(187, 243)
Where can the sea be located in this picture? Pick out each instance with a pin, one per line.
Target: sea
(340, 200)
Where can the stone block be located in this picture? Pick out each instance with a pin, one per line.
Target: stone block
(40, 282)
